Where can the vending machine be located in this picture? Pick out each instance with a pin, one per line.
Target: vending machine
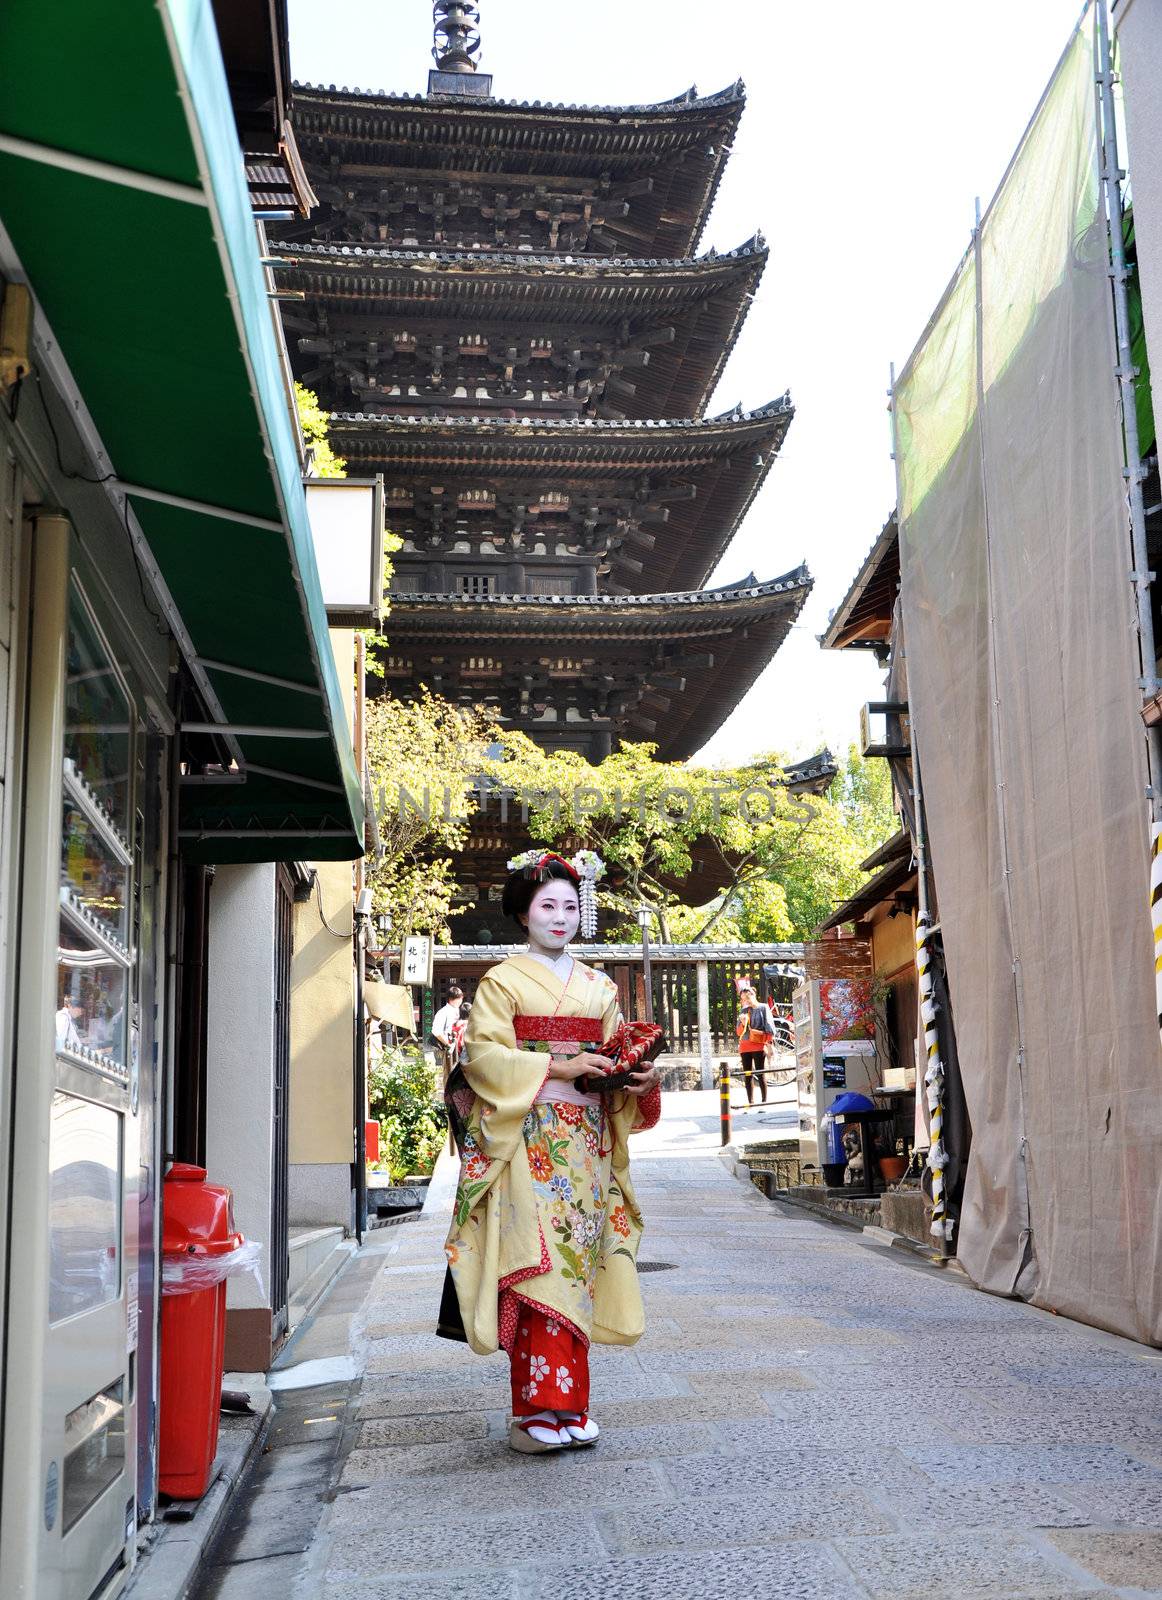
(835, 1050)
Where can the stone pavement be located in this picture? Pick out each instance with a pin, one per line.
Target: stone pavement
(811, 1413)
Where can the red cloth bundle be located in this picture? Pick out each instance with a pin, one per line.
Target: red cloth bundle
(633, 1044)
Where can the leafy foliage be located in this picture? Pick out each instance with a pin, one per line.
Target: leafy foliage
(785, 860)
(313, 422)
(412, 1122)
(424, 757)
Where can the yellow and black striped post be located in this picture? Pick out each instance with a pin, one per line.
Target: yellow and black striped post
(724, 1099)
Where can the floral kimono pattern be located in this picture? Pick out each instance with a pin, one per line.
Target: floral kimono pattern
(545, 1215)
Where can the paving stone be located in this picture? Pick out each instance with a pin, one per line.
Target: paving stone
(766, 1437)
(745, 1516)
(745, 1362)
(420, 1430)
(806, 1571)
(951, 1506)
(1126, 1559)
(461, 1399)
(1060, 1425)
(438, 1378)
(566, 1480)
(495, 1586)
(679, 1408)
(959, 1566)
(1037, 1463)
(694, 1476)
(774, 1380)
(663, 1440)
(367, 1465)
(423, 1357)
(394, 1329)
(454, 1541)
(1131, 1504)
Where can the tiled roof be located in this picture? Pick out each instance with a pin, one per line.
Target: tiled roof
(689, 100)
(565, 427)
(489, 261)
(800, 578)
(813, 772)
(629, 952)
(868, 603)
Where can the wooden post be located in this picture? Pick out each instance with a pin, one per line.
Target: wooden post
(724, 1100)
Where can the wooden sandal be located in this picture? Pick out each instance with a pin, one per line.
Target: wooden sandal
(537, 1435)
(580, 1427)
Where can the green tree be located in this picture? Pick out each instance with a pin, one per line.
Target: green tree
(313, 422)
(863, 793)
(424, 757)
(402, 1096)
(785, 860)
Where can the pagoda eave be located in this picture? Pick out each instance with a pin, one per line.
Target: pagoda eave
(391, 330)
(667, 495)
(657, 167)
(667, 668)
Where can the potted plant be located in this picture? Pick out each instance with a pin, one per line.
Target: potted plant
(893, 1168)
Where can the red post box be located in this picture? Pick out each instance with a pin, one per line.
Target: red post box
(371, 1139)
(198, 1234)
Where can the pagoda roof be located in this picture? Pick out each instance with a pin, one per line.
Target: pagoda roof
(735, 633)
(682, 143)
(710, 468)
(863, 618)
(672, 323)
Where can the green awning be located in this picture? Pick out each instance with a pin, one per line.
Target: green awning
(122, 190)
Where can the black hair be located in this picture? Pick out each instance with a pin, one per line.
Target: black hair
(520, 887)
(454, 988)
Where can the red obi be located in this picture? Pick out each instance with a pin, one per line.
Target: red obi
(543, 1030)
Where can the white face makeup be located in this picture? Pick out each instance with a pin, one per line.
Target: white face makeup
(552, 917)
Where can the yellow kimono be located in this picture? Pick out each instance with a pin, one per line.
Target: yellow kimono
(544, 1211)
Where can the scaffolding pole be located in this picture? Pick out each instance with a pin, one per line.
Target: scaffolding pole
(1141, 577)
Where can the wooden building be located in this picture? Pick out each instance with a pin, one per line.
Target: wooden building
(504, 308)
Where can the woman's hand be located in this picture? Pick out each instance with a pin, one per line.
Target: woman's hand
(568, 1068)
(644, 1079)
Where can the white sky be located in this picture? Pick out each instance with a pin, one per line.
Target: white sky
(868, 132)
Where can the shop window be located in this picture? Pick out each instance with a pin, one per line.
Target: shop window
(94, 938)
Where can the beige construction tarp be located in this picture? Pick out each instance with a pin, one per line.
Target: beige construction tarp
(1023, 668)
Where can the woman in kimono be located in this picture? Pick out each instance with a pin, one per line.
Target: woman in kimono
(544, 1238)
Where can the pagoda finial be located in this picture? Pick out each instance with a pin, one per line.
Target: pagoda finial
(456, 26)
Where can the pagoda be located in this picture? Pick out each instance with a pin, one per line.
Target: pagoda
(506, 310)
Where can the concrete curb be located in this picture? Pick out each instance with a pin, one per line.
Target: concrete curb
(171, 1555)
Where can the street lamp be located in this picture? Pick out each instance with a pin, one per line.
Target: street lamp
(644, 913)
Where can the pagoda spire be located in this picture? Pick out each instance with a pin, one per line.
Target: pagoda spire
(456, 26)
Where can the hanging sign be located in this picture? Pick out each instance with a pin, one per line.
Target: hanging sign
(417, 961)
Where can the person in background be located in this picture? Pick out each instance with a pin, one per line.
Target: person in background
(443, 1023)
(756, 1037)
(459, 1029)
